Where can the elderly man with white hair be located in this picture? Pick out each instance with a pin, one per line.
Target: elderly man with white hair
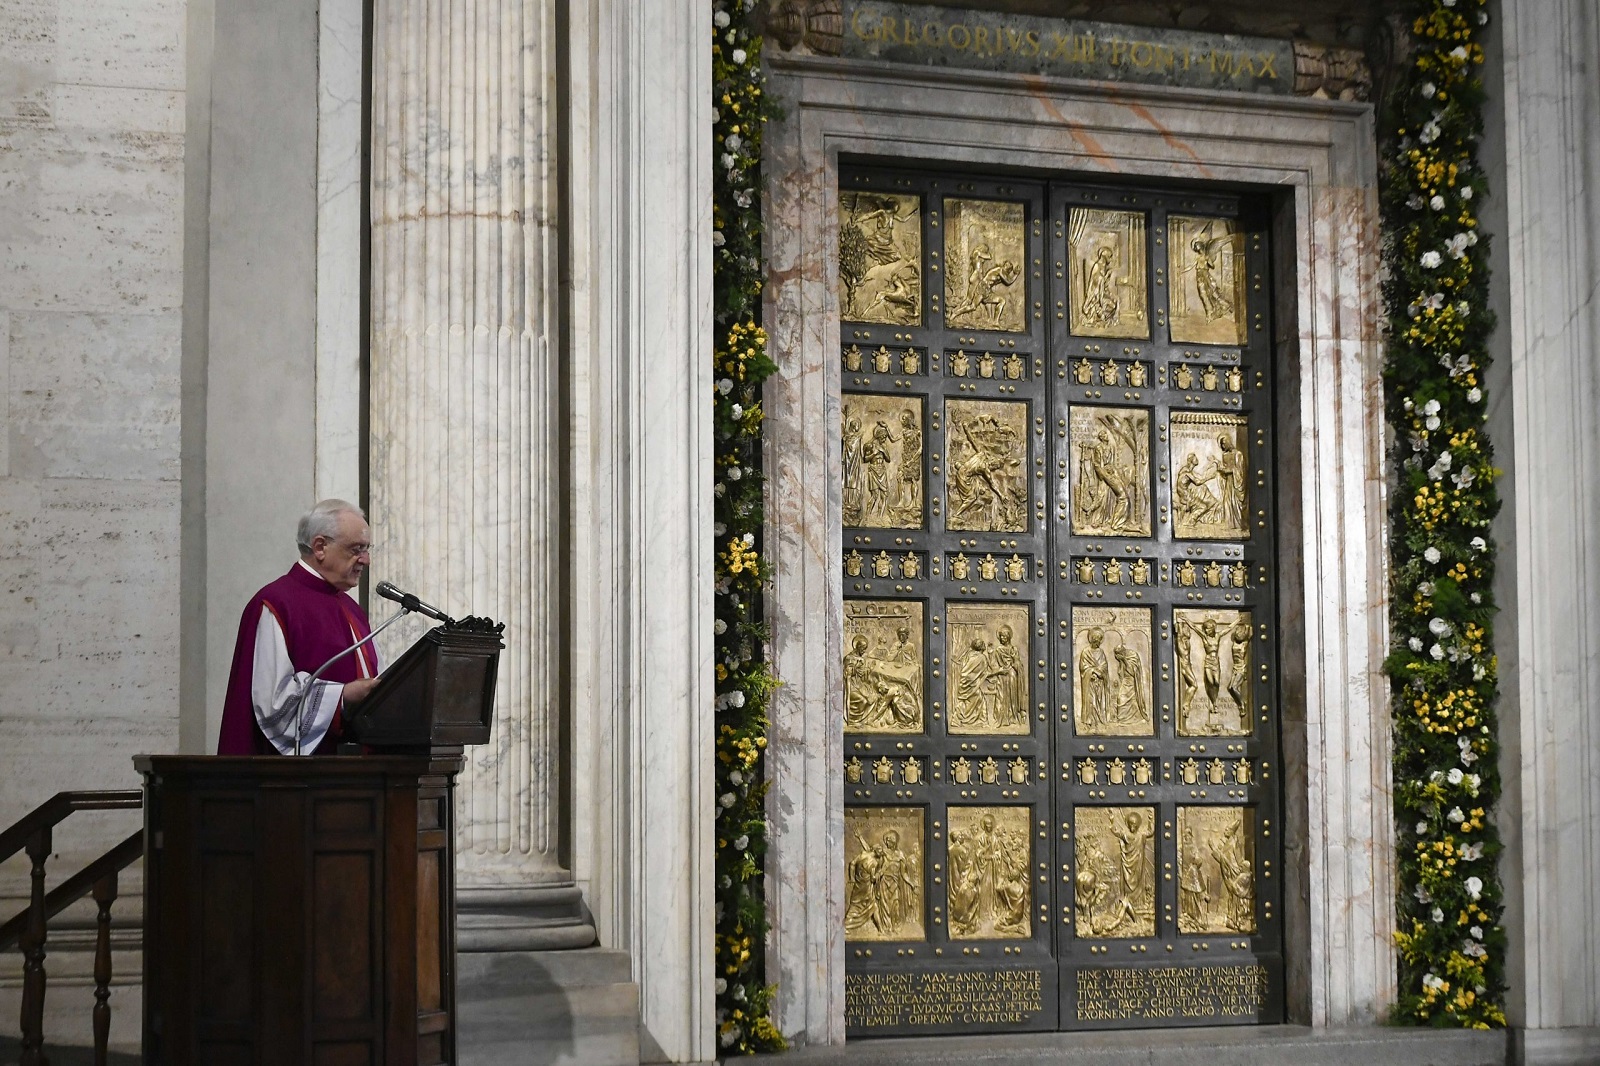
(289, 629)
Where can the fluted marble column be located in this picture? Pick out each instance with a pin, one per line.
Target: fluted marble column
(464, 482)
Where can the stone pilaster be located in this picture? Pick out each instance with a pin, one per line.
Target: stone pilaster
(464, 483)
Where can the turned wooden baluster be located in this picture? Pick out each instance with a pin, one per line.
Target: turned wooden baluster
(105, 893)
(32, 943)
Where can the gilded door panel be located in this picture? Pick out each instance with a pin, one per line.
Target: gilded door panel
(988, 677)
(1110, 463)
(985, 282)
(1207, 289)
(881, 447)
(880, 257)
(883, 666)
(1113, 694)
(1115, 887)
(1109, 283)
(988, 482)
(1216, 871)
(1211, 651)
(990, 883)
(884, 856)
(1211, 476)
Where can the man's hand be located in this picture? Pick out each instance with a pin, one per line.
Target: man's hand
(357, 690)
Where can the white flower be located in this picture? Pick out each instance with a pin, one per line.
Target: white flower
(1466, 192)
(1478, 544)
(736, 699)
(738, 57)
(725, 385)
(1474, 394)
(738, 993)
(1437, 203)
(1438, 915)
(1437, 652)
(1473, 781)
(1473, 948)
(726, 800)
(1472, 853)
(722, 982)
(1438, 627)
(717, 239)
(1431, 259)
(1431, 407)
(741, 842)
(736, 777)
(1477, 932)
(1454, 776)
(1459, 51)
(729, 1036)
(749, 539)
(1430, 980)
(1457, 816)
(1422, 830)
(1425, 588)
(719, 627)
(1431, 554)
(1414, 202)
(1432, 423)
(1430, 132)
(1436, 777)
(1420, 892)
(1483, 20)
(1415, 643)
(737, 411)
(1457, 245)
(1428, 89)
(734, 142)
(1475, 598)
(721, 19)
(742, 198)
(1449, 3)
(734, 473)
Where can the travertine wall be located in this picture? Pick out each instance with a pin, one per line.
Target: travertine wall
(91, 168)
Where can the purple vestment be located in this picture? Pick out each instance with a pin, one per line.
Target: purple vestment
(317, 621)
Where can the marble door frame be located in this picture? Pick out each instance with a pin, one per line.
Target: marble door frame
(1320, 156)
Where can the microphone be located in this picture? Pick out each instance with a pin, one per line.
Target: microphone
(409, 602)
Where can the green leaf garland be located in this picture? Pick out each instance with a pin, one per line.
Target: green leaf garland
(744, 679)
(1442, 665)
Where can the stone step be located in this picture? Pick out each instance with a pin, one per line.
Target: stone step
(1270, 1045)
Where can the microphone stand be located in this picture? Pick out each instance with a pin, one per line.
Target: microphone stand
(300, 702)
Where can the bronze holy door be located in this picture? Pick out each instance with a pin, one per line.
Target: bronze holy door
(1060, 689)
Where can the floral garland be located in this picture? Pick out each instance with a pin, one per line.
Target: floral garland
(1446, 749)
(744, 679)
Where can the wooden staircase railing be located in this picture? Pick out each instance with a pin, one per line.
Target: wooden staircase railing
(29, 929)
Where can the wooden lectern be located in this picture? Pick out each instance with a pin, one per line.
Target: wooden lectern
(302, 910)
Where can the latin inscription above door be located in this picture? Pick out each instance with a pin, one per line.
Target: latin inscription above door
(1060, 694)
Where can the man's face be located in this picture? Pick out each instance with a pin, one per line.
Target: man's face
(342, 560)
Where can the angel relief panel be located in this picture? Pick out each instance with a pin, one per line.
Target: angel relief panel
(1210, 495)
(988, 653)
(1109, 284)
(880, 258)
(985, 253)
(1212, 649)
(1206, 293)
(882, 447)
(987, 482)
(883, 686)
(1111, 672)
(1110, 459)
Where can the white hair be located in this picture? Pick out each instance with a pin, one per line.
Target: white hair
(323, 521)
